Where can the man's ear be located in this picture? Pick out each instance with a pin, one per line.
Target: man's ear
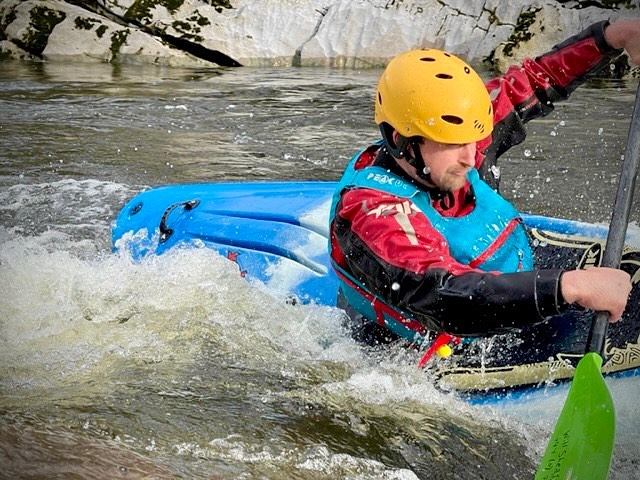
(395, 143)
(395, 135)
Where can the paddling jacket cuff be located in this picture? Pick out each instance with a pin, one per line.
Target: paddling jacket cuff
(548, 295)
(598, 35)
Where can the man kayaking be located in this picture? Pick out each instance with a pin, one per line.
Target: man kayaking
(420, 240)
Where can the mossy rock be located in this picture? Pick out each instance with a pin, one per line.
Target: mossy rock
(522, 32)
(219, 4)
(85, 23)
(140, 10)
(43, 21)
(100, 31)
(118, 39)
(201, 20)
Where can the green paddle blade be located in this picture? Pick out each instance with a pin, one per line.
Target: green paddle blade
(582, 442)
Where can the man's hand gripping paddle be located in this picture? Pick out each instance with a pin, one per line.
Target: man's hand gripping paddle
(582, 442)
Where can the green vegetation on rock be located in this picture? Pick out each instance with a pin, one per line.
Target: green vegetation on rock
(219, 4)
(182, 26)
(100, 30)
(198, 18)
(84, 23)
(191, 27)
(43, 21)
(202, 21)
(522, 31)
(186, 29)
(118, 39)
(140, 10)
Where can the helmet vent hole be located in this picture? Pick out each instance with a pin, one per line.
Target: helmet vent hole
(478, 126)
(452, 119)
(428, 59)
(444, 76)
(467, 70)
(379, 98)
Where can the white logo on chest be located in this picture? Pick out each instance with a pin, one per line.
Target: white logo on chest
(401, 212)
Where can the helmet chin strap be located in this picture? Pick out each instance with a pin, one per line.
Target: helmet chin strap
(408, 149)
(416, 160)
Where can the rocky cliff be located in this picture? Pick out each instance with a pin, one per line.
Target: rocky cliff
(337, 33)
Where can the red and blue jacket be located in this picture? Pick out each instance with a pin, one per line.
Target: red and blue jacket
(405, 265)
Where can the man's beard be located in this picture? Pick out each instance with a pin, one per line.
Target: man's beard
(451, 182)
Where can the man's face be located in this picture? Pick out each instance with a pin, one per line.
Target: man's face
(449, 163)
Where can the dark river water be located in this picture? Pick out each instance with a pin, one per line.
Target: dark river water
(210, 377)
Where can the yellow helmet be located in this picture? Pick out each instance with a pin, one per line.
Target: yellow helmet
(433, 94)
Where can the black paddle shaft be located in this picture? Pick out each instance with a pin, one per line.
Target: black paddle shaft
(619, 221)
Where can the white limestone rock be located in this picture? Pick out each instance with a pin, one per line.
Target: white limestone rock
(56, 30)
(342, 33)
(265, 32)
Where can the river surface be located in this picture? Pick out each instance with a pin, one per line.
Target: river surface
(175, 367)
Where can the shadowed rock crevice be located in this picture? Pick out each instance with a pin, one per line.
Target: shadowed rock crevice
(604, 4)
(199, 51)
(296, 61)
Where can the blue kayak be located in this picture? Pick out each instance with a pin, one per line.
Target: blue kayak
(277, 234)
